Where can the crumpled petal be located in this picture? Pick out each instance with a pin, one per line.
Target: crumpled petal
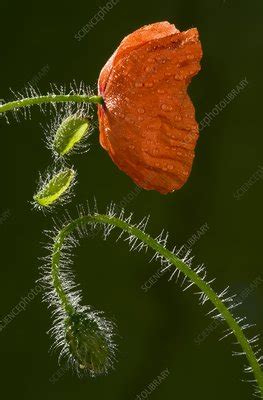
(147, 123)
(135, 39)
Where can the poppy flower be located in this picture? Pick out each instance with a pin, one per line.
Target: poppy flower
(147, 122)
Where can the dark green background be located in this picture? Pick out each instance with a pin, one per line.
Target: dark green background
(157, 329)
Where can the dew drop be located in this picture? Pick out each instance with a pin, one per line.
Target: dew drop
(147, 69)
(148, 84)
(165, 107)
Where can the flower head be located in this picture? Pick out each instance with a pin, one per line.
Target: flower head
(147, 122)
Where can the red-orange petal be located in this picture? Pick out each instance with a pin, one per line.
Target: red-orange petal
(148, 121)
(135, 39)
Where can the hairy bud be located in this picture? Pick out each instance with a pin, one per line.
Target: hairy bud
(69, 134)
(54, 187)
(88, 337)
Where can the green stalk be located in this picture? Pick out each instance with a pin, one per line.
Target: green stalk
(50, 98)
(173, 259)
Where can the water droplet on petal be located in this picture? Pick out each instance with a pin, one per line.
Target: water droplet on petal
(147, 69)
(165, 107)
(148, 84)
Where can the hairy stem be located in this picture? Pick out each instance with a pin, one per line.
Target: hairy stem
(172, 258)
(50, 98)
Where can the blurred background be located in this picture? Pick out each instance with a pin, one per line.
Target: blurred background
(161, 328)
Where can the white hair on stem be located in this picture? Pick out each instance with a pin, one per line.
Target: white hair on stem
(64, 296)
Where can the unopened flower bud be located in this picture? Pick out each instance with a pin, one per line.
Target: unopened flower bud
(55, 187)
(88, 337)
(69, 134)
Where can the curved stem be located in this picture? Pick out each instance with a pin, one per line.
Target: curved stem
(50, 98)
(172, 258)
